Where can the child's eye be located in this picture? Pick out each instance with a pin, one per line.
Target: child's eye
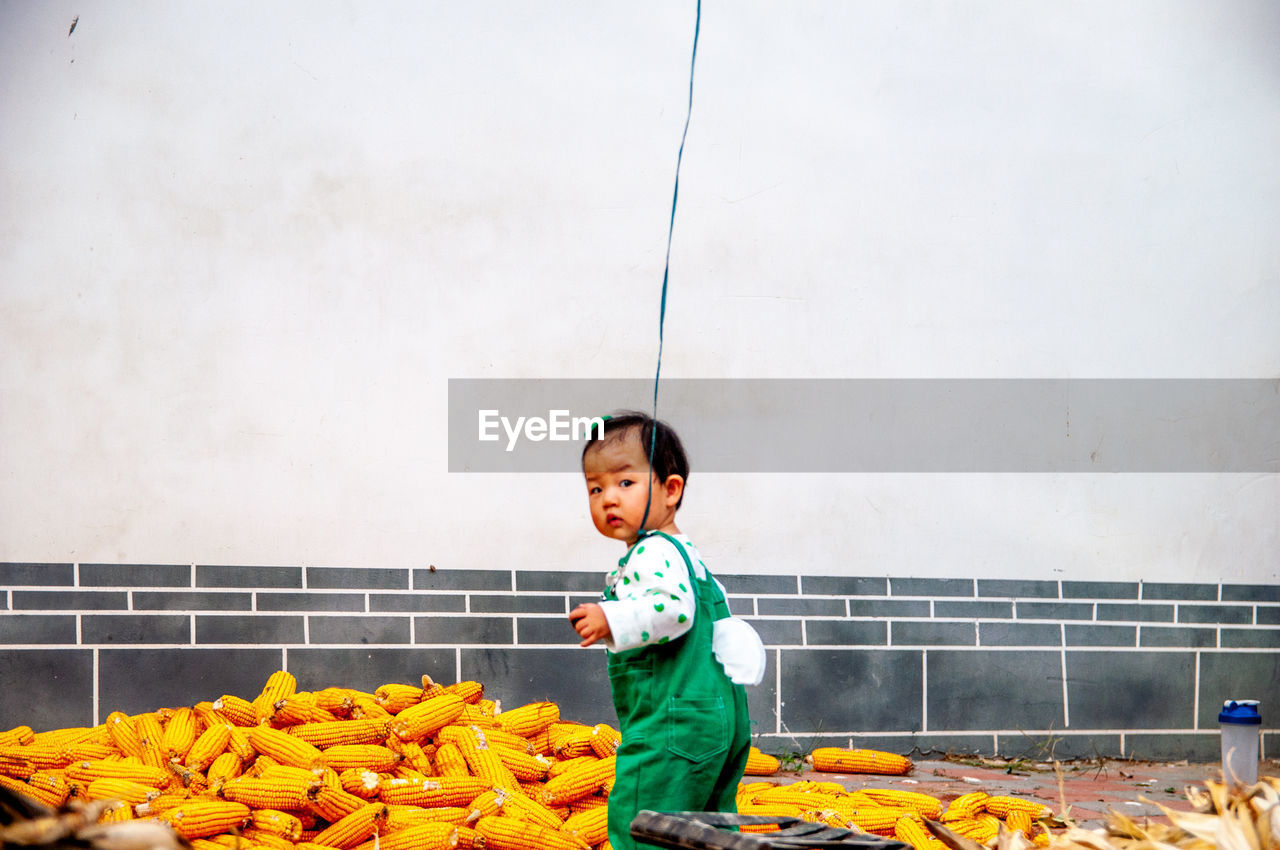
(591, 491)
(626, 482)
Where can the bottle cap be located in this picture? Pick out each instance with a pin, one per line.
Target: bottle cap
(1243, 711)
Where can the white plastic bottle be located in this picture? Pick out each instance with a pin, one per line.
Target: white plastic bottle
(1241, 724)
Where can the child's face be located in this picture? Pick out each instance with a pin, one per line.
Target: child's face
(618, 478)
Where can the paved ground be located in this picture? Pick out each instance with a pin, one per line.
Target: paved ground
(1090, 789)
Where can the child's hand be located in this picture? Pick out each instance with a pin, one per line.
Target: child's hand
(589, 622)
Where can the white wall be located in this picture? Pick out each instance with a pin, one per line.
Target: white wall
(244, 246)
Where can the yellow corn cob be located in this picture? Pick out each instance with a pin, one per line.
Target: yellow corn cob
(363, 783)
(279, 823)
(237, 710)
(471, 692)
(836, 760)
(439, 791)
(522, 766)
(449, 760)
(526, 808)
(418, 721)
(797, 797)
(424, 836)
(591, 825)
(1002, 806)
(283, 747)
(578, 783)
(912, 831)
(225, 767)
(300, 707)
(260, 839)
(528, 720)
(974, 829)
(201, 818)
(207, 715)
(50, 797)
(879, 820)
(17, 736)
(541, 743)
(336, 701)
(89, 750)
(130, 792)
(560, 766)
(355, 828)
(332, 733)
(151, 734)
(570, 740)
(403, 817)
(369, 756)
(1041, 839)
(37, 757)
(770, 810)
(279, 685)
(507, 833)
(239, 744)
(922, 804)
(85, 772)
(333, 804)
(179, 735)
(211, 744)
(116, 812)
(605, 740)
(488, 803)
(365, 706)
(1019, 820)
(283, 793)
(395, 698)
(205, 844)
(761, 763)
(484, 761)
(965, 806)
(411, 753)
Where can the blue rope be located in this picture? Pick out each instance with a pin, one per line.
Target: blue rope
(666, 269)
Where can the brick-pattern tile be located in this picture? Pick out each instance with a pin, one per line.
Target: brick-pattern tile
(135, 575)
(36, 575)
(973, 610)
(169, 600)
(1018, 588)
(369, 629)
(56, 692)
(1100, 590)
(347, 578)
(1162, 590)
(37, 628)
(921, 633)
(248, 577)
(70, 600)
(931, 586)
(1019, 634)
(143, 679)
(310, 601)
(894, 705)
(264, 630)
(135, 628)
(1224, 614)
(970, 690)
(367, 668)
(1131, 690)
(845, 633)
(842, 586)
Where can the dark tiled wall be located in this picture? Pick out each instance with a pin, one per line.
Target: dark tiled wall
(1019, 667)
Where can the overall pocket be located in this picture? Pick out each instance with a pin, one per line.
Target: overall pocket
(697, 727)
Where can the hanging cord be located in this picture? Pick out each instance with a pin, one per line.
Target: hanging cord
(666, 269)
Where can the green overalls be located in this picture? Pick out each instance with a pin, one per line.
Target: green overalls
(685, 729)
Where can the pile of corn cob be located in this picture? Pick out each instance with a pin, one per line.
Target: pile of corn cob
(411, 767)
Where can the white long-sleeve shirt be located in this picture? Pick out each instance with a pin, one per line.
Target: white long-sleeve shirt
(655, 602)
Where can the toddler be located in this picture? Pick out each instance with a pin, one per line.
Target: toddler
(685, 729)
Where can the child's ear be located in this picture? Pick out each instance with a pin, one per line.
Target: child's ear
(674, 487)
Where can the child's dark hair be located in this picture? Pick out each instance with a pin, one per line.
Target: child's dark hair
(668, 452)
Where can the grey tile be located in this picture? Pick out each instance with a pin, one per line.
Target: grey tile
(1131, 690)
(416, 603)
(192, 600)
(973, 610)
(970, 690)
(801, 607)
(1101, 635)
(845, 633)
(38, 628)
(806, 690)
(363, 630)
(135, 628)
(917, 633)
(1235, 614)
(1166, 636)
(741, 606)
(1136, 613)
(777, 632)
(446, 579)
(1019, 634)
(1251, 593)
(264, 629)
(1018, 588)
(138, 680)
(1173, 747)
(70, 600)
(37, 575)
(357, 578)
(1100, 590)
(558, 581)
(1268, 615)
(1059, 746)
(368, 668)
(218, 575)
(543, 630)
(1242, 638)
(1161, 590)
(1054, 610)
(135, 575)
(460, 630)
(56, 692)
(844, 586)
(310, 601)
(1238, 675)
(931, 586)
(516, 604)
(573, 677)
(743, 584)
(889, 608)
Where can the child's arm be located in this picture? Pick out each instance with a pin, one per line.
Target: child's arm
(590, 623)
(655, 602)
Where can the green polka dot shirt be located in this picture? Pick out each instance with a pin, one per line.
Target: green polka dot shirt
(655, 601)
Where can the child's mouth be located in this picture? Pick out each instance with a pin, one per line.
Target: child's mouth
(614, 521)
